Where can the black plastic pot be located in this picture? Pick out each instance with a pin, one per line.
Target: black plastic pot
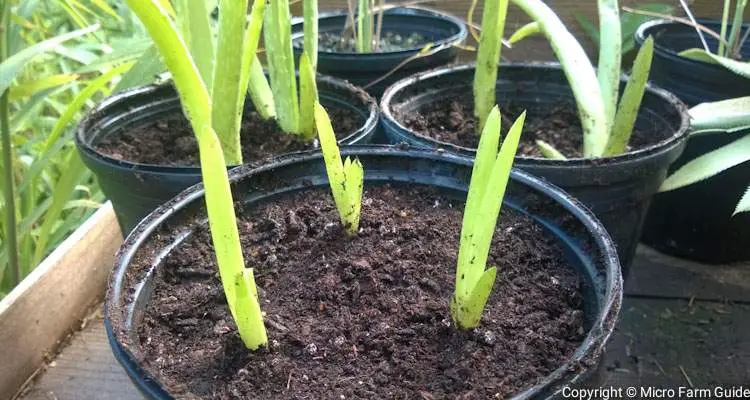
(696, 222)
(137, 189)
(694, 82)
(617, 189)
(361, 69)
(588, 248)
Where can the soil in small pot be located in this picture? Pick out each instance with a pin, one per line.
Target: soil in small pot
(364, 317)
(170, 140)
(389, 42)
(452, 121)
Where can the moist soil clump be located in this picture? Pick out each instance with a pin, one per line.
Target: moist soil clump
(452, 121)
(170, 141)
(389, 42)
(364, 317)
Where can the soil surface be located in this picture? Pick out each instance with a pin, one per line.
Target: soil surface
(389, 42)
(365, 317)
(452, 121)
(170, 141)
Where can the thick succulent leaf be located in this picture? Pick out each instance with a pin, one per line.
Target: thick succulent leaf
(610, 56)
(260, 90)
(355, 176)
(471, 311)
(744, 204)
(334, 164)
(738, 67)
(725, 115)
(630, 103)
(248, 312)
(548, 151)
(488, 56)
(194, 21)
(308, 97)
(709, 164)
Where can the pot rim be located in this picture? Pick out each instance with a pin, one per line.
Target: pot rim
(589, 350)
(92, 118)
(655, 150)
(450, 41)
(641, 34)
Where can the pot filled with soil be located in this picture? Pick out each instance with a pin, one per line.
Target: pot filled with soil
(143, 151)
(697, 222)
(435, 110)
(365, 316)
(691, 80)
(404, 33)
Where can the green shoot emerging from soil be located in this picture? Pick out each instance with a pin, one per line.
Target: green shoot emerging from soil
(238, 282)
(486, 191)
(345, 178)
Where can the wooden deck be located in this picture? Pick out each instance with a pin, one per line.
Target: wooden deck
(682, 324)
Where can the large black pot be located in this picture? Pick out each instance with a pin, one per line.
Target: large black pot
(693, 81)
(588, 248)
(696, 221)
(137, 189)
(361, 69)
(617, 189)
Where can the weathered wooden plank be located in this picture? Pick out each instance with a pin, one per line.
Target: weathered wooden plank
(51, 301)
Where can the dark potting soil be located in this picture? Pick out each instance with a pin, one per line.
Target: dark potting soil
(452, 121)
(170, 141)
(363, 317)
(389, 42)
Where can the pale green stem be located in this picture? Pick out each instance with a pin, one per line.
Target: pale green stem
(364, 27)
(610, 56)
(11, 238)
(724, 23)
(311, 32)
(278, 41)
(488, 56)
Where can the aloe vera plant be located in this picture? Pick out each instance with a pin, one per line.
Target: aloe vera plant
(489, 180)
(200, 108)
(723, 117)
(607, 124)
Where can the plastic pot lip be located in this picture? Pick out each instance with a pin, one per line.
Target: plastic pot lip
(450, 41)
(645, 29)
(91, 119)
(656, 150)
(590, 349)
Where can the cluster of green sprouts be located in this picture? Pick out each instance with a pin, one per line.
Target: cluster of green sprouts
(607, 124)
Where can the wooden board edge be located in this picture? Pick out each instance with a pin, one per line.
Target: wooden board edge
(50, 302)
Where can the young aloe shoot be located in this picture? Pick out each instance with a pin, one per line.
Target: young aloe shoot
(488, 55)
(238, 282)
(489, 179)
(345, 178)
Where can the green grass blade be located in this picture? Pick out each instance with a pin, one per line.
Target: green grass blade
(60, 196)
(27, 89)
(724, 22)
(308, 97)
(744, 204)
(228, 95)
(260, 91)
(197, 105)
(278, 41)
(631, 101)
(610, 56)
(144, 71)
(580, 73)
(488, 57)
(530, 29)
(548, 151)
(709, 165)
(10, 68)
(194, 21)
(734, 34)
(588, 27)
(311, 31)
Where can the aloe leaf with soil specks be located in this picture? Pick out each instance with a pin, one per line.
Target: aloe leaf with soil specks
(489, 180)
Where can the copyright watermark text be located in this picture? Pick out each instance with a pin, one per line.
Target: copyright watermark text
(646, 392)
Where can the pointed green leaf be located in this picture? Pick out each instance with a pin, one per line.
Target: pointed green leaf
(709, 164)
(248, 313)
(334, 165)
(308, 97)
(530, 29)
(723, 115)
(471, 313)
(194, 21)
(144, 72)
(355, 179)
(548, 151)
(741, 68)
(610, 57)
(10, 68)
(631, 101)
(310, 10)
(260, 91)
(250, 56)
(744, 204)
